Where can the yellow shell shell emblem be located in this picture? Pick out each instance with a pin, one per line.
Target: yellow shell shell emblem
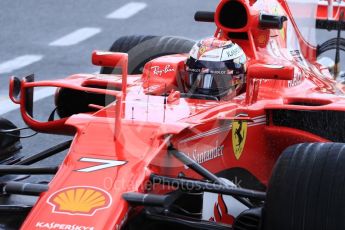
(79, 200)
(239, 134)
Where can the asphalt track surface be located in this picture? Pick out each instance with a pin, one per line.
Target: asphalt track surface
(54, 39)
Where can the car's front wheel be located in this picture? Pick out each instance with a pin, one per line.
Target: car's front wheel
(307, 189)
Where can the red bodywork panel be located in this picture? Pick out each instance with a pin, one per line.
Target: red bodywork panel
(116, 148)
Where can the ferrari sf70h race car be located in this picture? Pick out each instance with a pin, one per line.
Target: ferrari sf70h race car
(243, 130)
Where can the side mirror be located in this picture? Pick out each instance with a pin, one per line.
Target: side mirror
(14, 90)
(111, 59)
(266, 71)
(262, 71)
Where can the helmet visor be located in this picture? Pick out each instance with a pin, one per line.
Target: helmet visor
(211, 84)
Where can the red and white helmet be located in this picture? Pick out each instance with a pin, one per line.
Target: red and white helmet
(215, 68)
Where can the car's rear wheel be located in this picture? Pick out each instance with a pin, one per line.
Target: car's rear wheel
(142, 49)
(307, 189)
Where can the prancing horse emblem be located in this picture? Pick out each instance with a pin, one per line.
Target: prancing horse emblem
(239, 134)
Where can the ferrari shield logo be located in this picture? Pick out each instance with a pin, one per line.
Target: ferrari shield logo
(239, 134)
(202, 50)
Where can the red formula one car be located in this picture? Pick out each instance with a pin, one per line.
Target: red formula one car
(227, 133)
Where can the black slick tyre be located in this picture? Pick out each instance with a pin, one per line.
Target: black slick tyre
(307, 189)
(142, 49)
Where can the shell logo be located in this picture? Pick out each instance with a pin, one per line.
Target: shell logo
(79, 200)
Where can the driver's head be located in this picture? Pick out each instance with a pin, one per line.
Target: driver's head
(215, 68)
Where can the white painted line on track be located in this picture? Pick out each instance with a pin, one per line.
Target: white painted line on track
(76, 37)
(18, 63)
(6, 105)
(127, 10)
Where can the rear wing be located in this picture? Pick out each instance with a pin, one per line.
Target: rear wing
(329, 15)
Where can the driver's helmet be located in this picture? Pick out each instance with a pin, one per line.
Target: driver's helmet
(215, 68)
